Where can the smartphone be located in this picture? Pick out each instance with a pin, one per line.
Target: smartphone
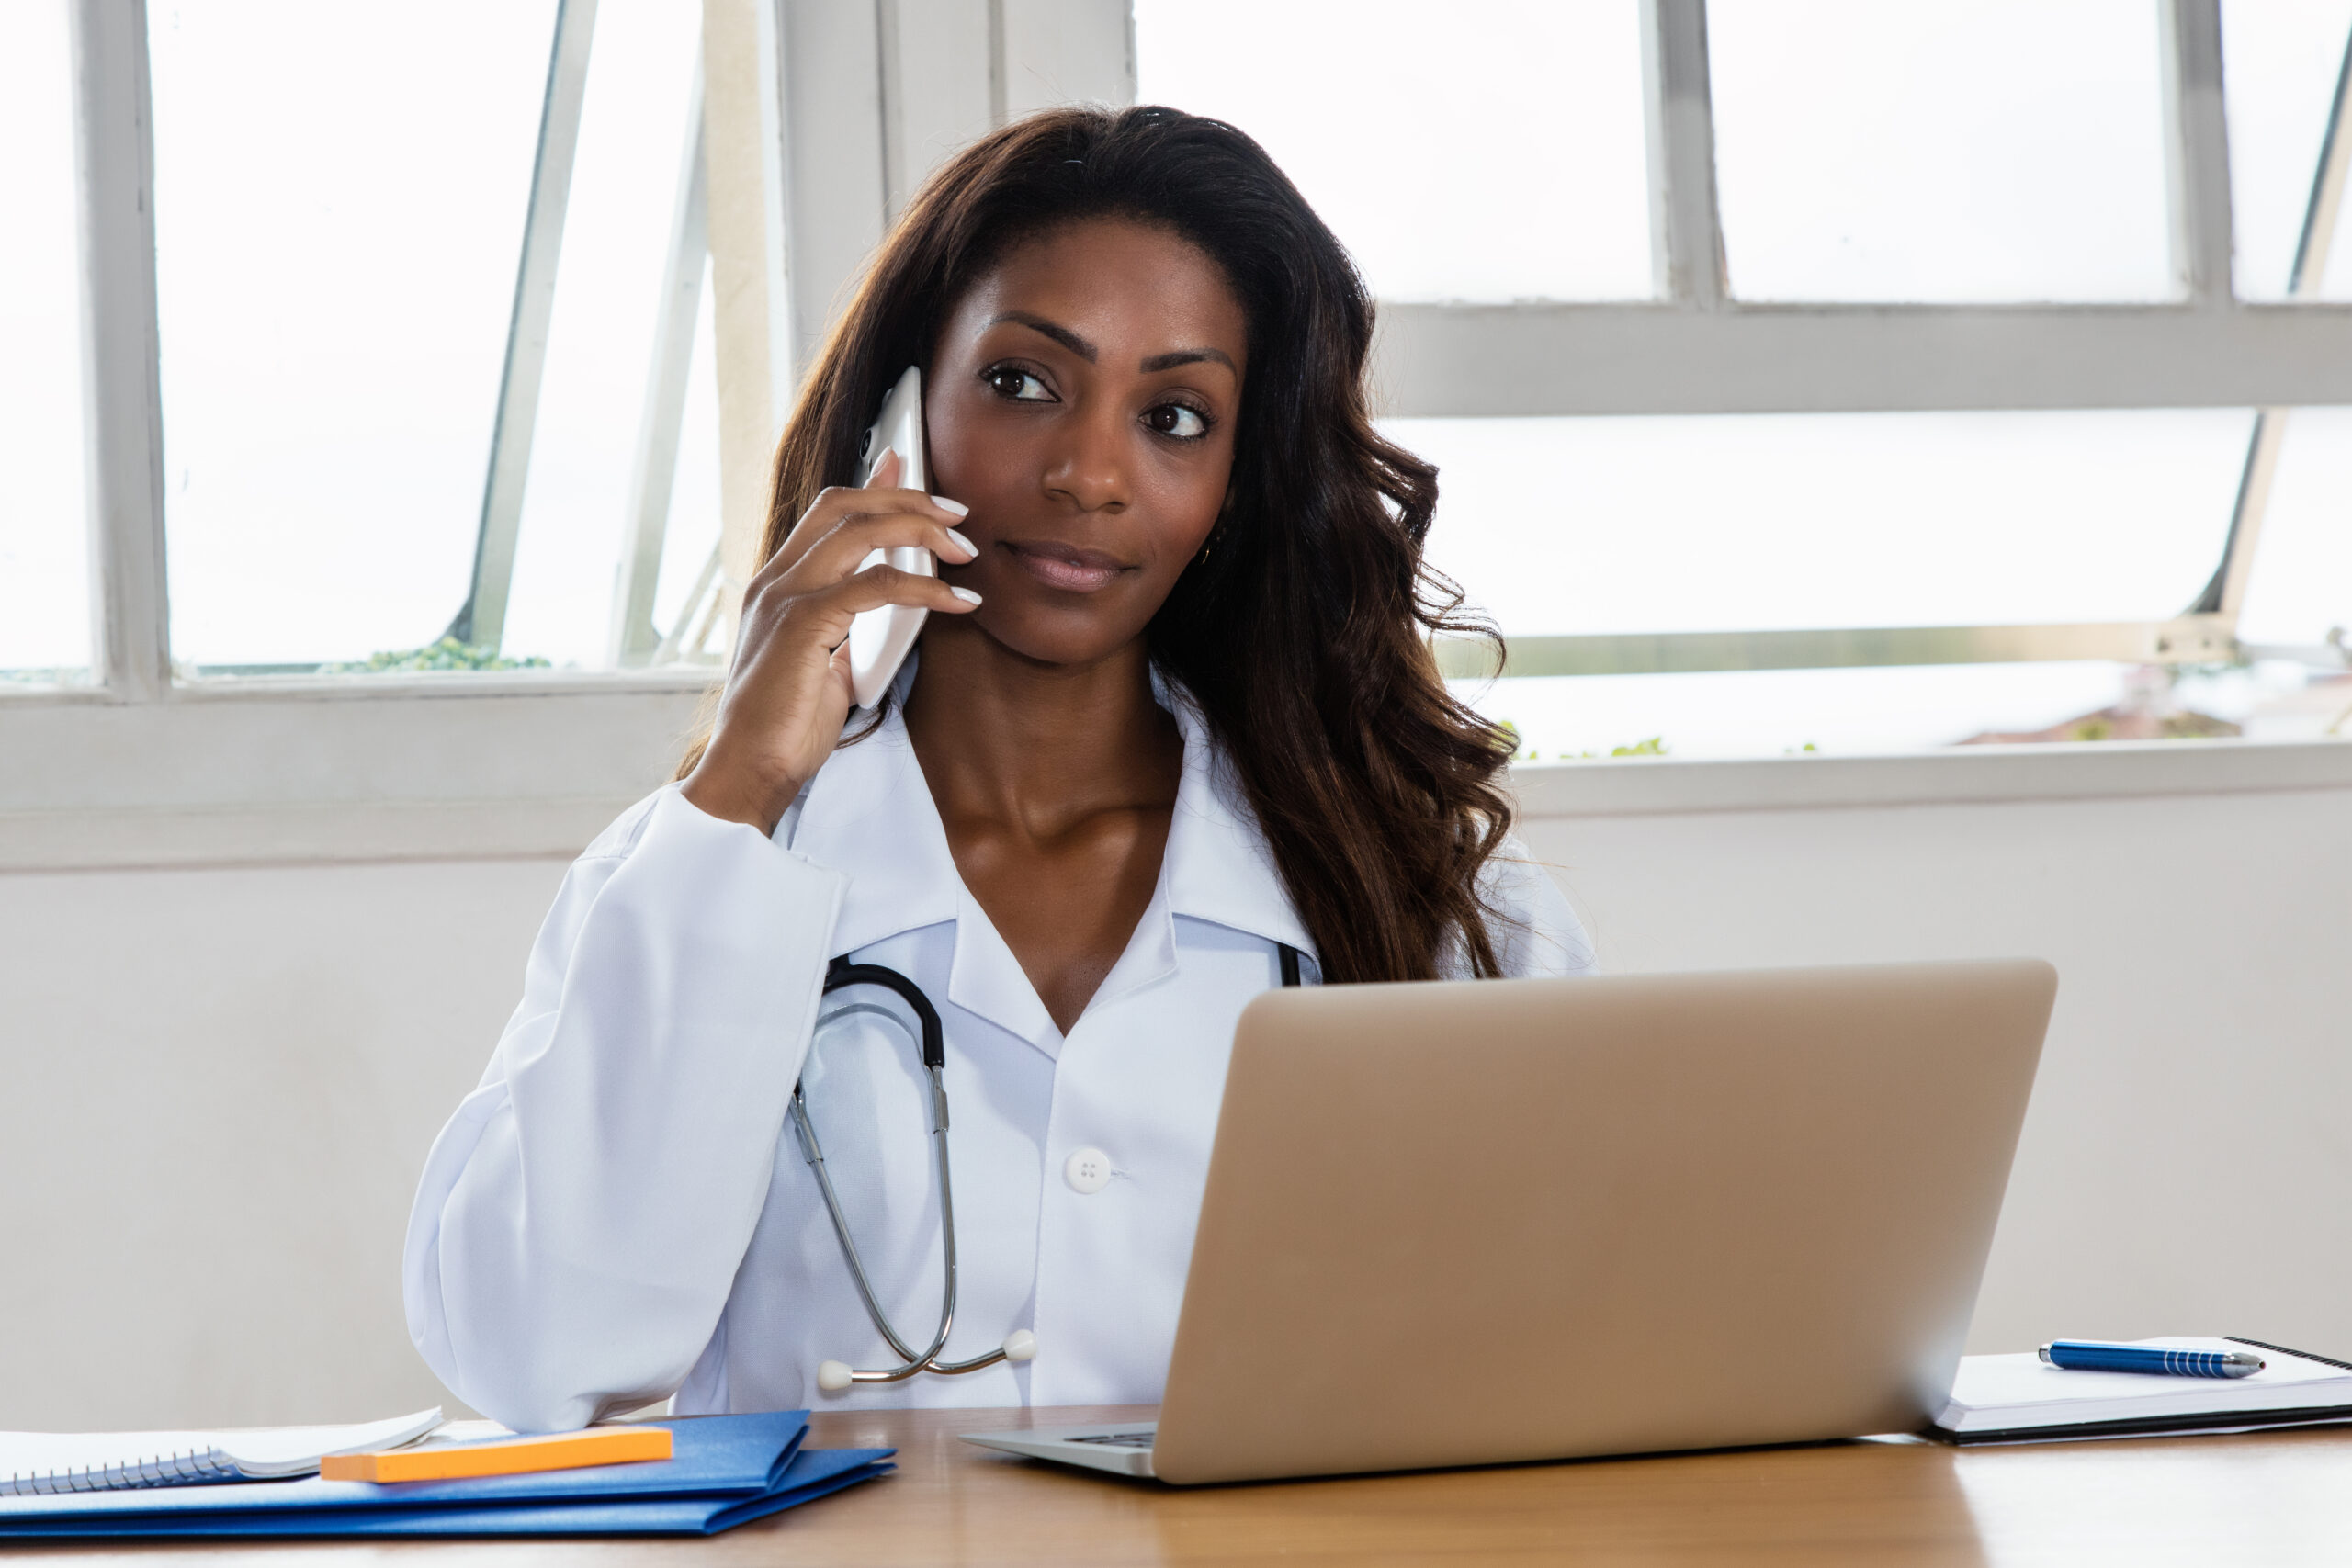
(880, 640)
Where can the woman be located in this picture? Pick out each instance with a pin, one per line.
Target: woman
(1172, 724)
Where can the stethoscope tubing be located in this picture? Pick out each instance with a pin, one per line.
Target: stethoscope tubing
(928, 1359)
(842, 973)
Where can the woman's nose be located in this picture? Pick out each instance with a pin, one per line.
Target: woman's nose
(1091, 472)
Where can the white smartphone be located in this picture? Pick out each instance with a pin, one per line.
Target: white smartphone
(880, 640)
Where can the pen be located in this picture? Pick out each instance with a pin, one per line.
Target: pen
(2090, 1356)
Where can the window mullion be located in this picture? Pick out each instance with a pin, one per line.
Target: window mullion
(1686, 226)
(2323, 214)
(2225, 594)
(2188, 638)
(114, 149)
(653, 475)
(745, 149)
(2197, 151)
(1544, 360)
(482, 618)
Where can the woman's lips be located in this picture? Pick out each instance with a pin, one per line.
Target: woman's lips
(1066, 566)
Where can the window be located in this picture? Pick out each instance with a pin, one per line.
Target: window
(1775, 522)
(44, 571)
(2283, 60)
(2000, 150)
(1821, 372)
(620, 241)
(361, 401)
(2301, 587)
(1487, 149)
(1948, 424)
(1779, 523)
(457, 347)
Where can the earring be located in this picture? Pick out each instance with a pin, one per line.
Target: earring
(1208, 545)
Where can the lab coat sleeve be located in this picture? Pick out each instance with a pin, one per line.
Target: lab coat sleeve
(581, 1217)
(1538, 932)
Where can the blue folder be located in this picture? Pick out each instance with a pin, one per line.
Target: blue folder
(725, 1470)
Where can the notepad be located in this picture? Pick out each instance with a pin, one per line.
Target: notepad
(725, 1470)
(2017, 1398)
(37, 1463)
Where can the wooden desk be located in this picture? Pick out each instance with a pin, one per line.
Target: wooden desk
(2277, 1500)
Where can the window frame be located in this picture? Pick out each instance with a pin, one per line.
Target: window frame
(824, 116)
(1698, 349)
(834, 111)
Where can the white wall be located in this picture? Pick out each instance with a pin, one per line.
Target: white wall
(216, 1093)
(216, 1084)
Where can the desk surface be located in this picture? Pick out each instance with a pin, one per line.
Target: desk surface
(2277, 1499)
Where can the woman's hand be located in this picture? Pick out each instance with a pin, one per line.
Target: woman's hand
(788, 693)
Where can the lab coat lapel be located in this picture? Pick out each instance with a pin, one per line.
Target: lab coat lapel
(1217, 866)
(1149, 956)
(988, 979)
(869, 813)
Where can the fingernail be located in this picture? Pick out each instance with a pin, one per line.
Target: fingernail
(965, 595)
(958, 507)
(970, 548)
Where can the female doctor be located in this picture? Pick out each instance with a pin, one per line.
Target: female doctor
(1173, 714)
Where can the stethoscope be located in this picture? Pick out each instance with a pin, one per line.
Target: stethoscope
(1020, 1345)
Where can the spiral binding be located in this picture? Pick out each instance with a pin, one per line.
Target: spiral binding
(173, 1469)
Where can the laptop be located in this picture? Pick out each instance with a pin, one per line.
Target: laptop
(1482, 1222)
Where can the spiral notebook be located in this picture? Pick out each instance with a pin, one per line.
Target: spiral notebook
(725, 1470)
(42, 1463)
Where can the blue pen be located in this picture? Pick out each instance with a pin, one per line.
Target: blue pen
(2090, 1356)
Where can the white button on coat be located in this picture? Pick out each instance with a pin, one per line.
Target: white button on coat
(620, 1212)
(1087, 1170)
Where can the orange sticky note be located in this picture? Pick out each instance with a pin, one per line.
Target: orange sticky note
(503, 1456)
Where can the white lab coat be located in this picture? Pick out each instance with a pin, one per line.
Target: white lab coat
(621, 1211)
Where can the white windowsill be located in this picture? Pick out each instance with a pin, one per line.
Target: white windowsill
(432, 683)
(294, 772)
(531, 765)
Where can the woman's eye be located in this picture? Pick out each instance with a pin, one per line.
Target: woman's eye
(1175, 419)
(1010, 381)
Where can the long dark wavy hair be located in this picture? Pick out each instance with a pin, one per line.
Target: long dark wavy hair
(1303, 633)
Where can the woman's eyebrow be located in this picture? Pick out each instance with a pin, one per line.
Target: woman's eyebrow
(1060, 334)
(1188, 356)
(1087, 352)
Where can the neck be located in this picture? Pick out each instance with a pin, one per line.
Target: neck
(1033, 745)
